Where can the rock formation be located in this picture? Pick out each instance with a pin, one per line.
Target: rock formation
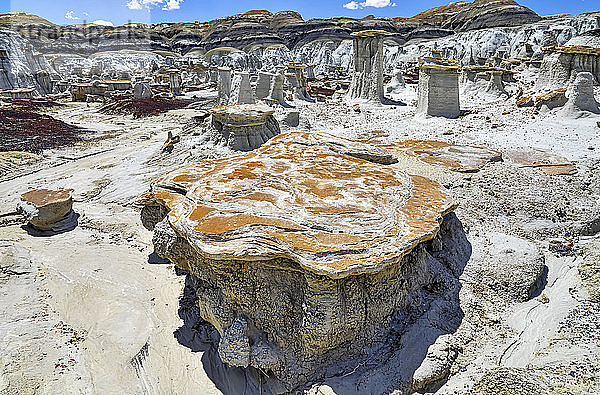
(438, 93)
(241, 127)
(580, 96)
(142, 90)
(263, 85)
(276, 90)
(175, 81)
(495, 85)
(224, 85)
(241, 90)
(48, 210)
(396, 84)
(367, 74)
(298, 81)
(561, 64)
(303, 255)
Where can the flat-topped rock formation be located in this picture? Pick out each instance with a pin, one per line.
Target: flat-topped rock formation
(561, 64)
(48, 210)
(241, 127)
(438, 93)
(302, 253)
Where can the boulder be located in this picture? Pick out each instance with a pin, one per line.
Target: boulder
(302, 255)
(47, 210)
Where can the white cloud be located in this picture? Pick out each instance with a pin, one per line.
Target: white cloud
(353, 5)
(69, 15)
(166, 5)
(172, 5)
(102, 22)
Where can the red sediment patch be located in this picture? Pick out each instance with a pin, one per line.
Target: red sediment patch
(144, 107)
(25, 130)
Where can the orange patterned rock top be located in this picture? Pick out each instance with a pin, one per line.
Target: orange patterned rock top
(306, 197)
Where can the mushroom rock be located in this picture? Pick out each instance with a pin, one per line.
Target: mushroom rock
(298, 81)
(48, 210)
(438, 93)
(241, 127)
(241, 90)
(224, 85)
(302, 253)
(581, 96)
(561, 64)
(367, 76)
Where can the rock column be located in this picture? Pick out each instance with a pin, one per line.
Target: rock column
(241, 91)
(438, 91)
(224, 85)
(367, 78)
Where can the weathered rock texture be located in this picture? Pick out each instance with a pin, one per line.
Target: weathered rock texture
(581, 96)
(241, 127)
(47, 210)
(548, 162)
(438, 93)
(224, 85)
(561, 64)
(367, 77)
(241, 90)
(302, 255)
(142, 90)
(461, 158)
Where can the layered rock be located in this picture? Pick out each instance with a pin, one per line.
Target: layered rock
(561, 64)
(241, 127)
(367, 76)
(302, 253)
(438, 93)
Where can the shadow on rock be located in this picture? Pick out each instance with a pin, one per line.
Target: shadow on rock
(200, 336)
(414, 353)
(66, 225)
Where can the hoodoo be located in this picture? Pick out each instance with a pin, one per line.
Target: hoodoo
(367, 75)
(438, 93)
(302, 253)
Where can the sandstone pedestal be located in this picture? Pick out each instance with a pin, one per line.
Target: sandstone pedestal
(303, 254)
(48, 210)
(367, 77)
(242, 127)
(438, 93)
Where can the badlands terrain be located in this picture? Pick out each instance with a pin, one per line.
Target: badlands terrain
(261, 204)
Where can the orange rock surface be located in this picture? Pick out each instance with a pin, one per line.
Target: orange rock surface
(305, 197)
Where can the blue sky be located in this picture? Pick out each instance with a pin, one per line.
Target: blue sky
(122, 11)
